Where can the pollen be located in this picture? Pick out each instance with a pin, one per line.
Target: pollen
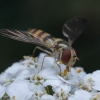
(65, 72)
(94, 99)
(79, 70)
(36, 93)
(38, 78)
(90, 80)
(57, 94)
(98, 95)
(60, 62)
(13, 98)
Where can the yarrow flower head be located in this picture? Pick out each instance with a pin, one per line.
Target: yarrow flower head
(35, 79)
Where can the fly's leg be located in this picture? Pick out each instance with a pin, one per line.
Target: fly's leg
(58, 66)
(37, 47)
(67, 69)
(50, 55)
(43, 60)
(54, 61)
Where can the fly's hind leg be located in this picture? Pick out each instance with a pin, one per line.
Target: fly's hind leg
(43, 60)
(50, 55)
(37, 47)
(54, 62)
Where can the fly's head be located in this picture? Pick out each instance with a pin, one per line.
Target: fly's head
(69, 56)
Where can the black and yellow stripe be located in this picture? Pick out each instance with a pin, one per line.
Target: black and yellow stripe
(42, 36)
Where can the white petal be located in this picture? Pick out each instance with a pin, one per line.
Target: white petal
(53, 83)
(80, 95)
(2, 78)
(39, 87)
(19, 90)
(47, 72)
(25, 74)
(96, 75)
(88, 77)
(2, 91)
(64, 87)
(80, 71)
(96, 85)
(16, 67)
(47, 97)
(48, 61)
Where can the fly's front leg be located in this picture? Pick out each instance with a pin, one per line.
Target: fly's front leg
(68, 69)
(37, 47)
(58, 66)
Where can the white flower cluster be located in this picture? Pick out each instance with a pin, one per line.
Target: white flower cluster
(25, 80)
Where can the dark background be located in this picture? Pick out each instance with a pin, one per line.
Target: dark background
(50, 15)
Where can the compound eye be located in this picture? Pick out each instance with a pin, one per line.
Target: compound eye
(66, 55)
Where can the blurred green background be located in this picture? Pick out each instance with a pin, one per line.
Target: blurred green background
(50, 15)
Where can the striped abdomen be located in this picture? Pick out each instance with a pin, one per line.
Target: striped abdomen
(42, 36)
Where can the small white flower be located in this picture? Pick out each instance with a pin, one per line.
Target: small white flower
(96, 80)
(2, 91)
(71, 77)
(80, 95)
(47, 97)
(95, 96)
(35, 87)
(46, 76)
(30, 64)
(88, 82)
(19, 90)
(80, 71)
(15, 68)
(65, 87)
(74, 78)
(8, 78)
(33, 79)
(11, 73)
(62, 91)
(38, 91)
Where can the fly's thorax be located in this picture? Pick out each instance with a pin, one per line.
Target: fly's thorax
(60, 43)
(58, 53)
(49, 42)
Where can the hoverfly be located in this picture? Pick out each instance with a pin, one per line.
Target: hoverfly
(56, 47)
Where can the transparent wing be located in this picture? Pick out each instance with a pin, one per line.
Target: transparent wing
(23, 36)
(73, 28)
